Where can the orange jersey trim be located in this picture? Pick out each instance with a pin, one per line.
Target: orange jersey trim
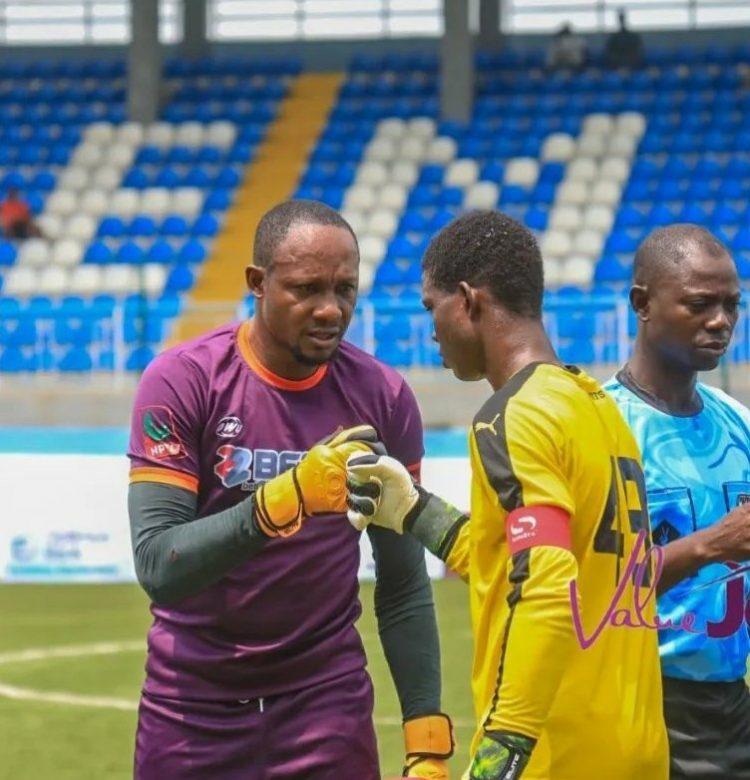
(280, 382)
(164, 477)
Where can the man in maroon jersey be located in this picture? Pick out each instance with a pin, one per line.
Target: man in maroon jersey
(255, 669)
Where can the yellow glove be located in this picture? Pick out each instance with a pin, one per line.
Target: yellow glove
(429, 744)
(317, 484)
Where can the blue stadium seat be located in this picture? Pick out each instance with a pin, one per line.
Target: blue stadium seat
(161, 251)
(206, 225)
(76, 360)
(174, 225)
(130, 252)
(192, 252)
(98, 253)
(142, 225)
(139, 358)
(180, 278)
(111, 227)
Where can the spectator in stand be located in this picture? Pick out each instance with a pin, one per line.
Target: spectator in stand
(624, 48)
(15, 217)
(568, 50)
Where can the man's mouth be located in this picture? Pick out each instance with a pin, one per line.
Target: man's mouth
(324, 338)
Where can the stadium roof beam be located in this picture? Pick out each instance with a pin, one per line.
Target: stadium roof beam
(144, 61)
(456, 62)
(489, 23)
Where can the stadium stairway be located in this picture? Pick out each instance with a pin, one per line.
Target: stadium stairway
(271, 178)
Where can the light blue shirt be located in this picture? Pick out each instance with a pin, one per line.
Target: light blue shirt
(697, 468)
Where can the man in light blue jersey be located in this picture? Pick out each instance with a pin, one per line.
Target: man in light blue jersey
(695, 442)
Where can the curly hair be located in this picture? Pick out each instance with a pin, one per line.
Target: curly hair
(489, 249)
(274, 226)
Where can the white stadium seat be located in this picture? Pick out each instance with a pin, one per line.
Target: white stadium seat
(615, 169)
(577, 271)
(372, 173)
(221, 134)
(382, 223)
(565, 217)
(130, 133)
(154, 277)
(94, 202)
(100, 133)
(120, 279)
(74, 177)
(120, 155)
(606, 193)
(62, 202)
(85, 280)
(124, 203)
(591, 145)
(414, 149)
(366, 276)
(372, 249)
(461, 173)
(156, 202)
(34, 253)
(393, 197)
(404, 172)
(81, 227)
(558, 147)
(359, 198)
(53, 281)
(599, 218)
(482, 195)
(598, 124)
(552, 272)
(51, 226)
(555, 244)
(421, 127)
(441, 150)
(107, 178)
(573, 193)
(21, 281)
(160, 134)
(189, 134)
(631, 123)
(187, 201)
(392, 128)
(67, 252)
(588, 243)
(356, 220)
(622, 145)
(88, 154)
(382, 149)
(582, 169)
(522, 170)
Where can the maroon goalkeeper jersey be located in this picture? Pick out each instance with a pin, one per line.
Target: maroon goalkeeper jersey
(210, 418)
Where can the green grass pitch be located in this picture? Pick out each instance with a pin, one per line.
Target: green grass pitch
(48, 740)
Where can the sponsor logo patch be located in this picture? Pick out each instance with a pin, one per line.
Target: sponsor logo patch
(229, 426)
(244, 468)
(160, 438)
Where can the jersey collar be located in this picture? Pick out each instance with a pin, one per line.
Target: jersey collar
(268, 376)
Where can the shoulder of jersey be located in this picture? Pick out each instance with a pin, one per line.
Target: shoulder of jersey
(709, 392)
(195, 350)
(494, 408)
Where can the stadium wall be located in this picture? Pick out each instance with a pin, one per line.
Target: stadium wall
(65, 517)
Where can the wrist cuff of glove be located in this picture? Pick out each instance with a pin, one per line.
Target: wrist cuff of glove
(429, 736)
(278, 507)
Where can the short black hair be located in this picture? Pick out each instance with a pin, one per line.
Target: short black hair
(489, 249)
(666, 247)
(274, 226)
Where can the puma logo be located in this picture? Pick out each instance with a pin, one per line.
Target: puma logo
(490, 426)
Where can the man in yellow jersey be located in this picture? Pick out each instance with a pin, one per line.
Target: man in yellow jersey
(566, 676)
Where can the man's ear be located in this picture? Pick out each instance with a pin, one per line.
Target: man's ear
(255, 276)
(470, 298)
(639, 300)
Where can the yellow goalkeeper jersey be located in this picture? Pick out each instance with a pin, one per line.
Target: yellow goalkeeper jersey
(571, 666)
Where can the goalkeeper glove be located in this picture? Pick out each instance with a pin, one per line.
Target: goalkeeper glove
(382, 492)
(501, 756)
(317, 484)
(429, 743)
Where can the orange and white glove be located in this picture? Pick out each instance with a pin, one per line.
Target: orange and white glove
(429, 744)
(315, 485)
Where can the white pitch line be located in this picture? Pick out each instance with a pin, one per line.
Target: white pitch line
(104, 702)
(70, 651)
